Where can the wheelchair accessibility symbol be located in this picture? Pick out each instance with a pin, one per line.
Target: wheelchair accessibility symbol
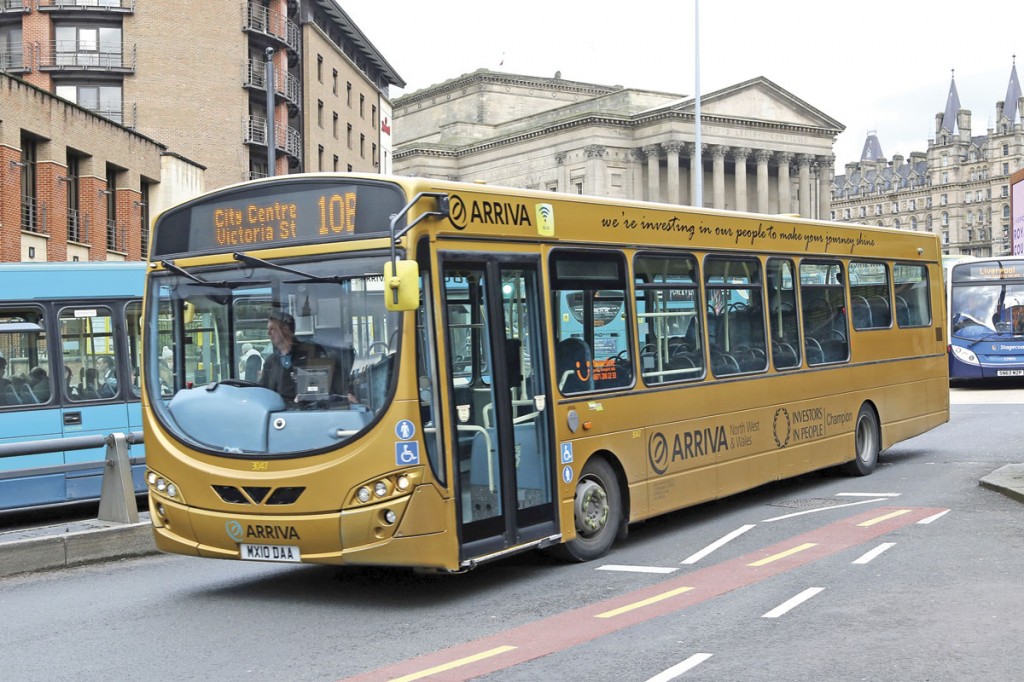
(407, 453)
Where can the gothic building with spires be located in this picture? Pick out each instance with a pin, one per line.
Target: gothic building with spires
(959, 188)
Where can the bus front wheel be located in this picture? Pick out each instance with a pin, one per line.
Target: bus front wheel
(598, 511)
(867, 443)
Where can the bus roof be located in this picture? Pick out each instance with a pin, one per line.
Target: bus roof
(56, 280)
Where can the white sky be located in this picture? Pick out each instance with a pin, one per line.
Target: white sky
(885, 67)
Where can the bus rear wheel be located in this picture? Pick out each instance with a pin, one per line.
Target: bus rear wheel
(598, 512)
(867, 443)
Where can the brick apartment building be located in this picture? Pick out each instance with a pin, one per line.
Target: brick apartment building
(190, 79)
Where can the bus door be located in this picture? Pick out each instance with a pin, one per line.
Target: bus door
(94, 389)
(28, 407)
(496, 369)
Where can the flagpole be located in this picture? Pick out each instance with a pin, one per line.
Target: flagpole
(698, 167)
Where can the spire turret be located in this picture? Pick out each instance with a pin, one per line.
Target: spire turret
(1013, 94)
(952, 106)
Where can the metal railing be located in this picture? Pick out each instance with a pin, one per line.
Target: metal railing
(14, 6)
(288, 87)
(117, 493)
(33, 215)
(289, 140)
(13, 59)
(272, 23)
(74, 54)
(78, 226)
(89, 5)
(116, 236)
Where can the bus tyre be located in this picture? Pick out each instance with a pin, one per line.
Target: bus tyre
(867, 442)
(598, 512)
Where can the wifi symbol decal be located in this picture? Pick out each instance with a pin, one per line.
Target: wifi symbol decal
(545, 220)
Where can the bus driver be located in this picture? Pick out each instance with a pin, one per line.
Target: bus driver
(289, 353)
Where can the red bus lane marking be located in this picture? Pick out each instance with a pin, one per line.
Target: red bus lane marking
(570, 628)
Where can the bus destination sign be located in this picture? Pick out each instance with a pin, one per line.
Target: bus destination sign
(987, 271)
(280, 214)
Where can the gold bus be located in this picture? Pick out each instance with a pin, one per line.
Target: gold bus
(477, 370)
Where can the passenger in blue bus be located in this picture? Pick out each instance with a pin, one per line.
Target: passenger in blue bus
(107, 377)
(39, 381)
(288, 355)
(7, 396)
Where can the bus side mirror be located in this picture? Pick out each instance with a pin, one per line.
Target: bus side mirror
(402, 285)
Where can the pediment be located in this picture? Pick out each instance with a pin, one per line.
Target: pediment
(759, 99)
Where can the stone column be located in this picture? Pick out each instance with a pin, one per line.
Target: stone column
(739, 156)
(804, 165)
(595, 169)
(563, 172)
(762, 156)
(695, 170)
(638, 156)
(718, 175)
(785, 192)
(672, 148)
(653, 152)
(825, 186)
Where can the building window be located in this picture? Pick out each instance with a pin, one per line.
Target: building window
(1005, 191)
(348, 135)
(334, 81)
(320, 68)
(104, 100)
(320, 113)
(1006, 169)
(320, 157)
(11, 56)
(348, 94)
(88, 46)
(945, 237)
(1006, 150)
(362, 146)
(362, 106)
(1006, 210)
(373, 153)
(846, 214)
(945, 177)
(863, 211)
(335, 163)
(878, 209)
(944, 219)
(334, 125)
(913, 204)
(373, 116)
(895, 207)
(943, 200)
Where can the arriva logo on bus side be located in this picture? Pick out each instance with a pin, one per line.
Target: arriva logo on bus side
(687, 445)
(487, 213)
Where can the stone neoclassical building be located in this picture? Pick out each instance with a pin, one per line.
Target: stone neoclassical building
(763, 149)
(958, 188)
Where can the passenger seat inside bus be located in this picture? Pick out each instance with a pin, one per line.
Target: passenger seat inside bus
(573, 360)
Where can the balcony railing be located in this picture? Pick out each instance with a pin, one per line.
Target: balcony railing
(288, 87)
(273, 24)
(125, 6)
(33, 215)
(70, 54)
(289, 140)
(78, 226)
(116, 238)
(12, 60)
(14, 6)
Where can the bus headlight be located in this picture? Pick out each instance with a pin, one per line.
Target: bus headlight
(363, 494)
(380, 488)
(161, 485)
(965, 355)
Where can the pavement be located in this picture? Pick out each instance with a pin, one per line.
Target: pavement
(75, 543)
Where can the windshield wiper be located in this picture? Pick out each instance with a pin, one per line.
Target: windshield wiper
(306, 277)
(221, 284)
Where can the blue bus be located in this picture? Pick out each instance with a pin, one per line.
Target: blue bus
(986, 318)
(70, 347)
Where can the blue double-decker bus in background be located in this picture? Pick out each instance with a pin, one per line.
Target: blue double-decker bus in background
(986, 318)
(69, 366)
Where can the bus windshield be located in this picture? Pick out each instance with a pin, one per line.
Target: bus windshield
(270, 358)
(981, 310)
